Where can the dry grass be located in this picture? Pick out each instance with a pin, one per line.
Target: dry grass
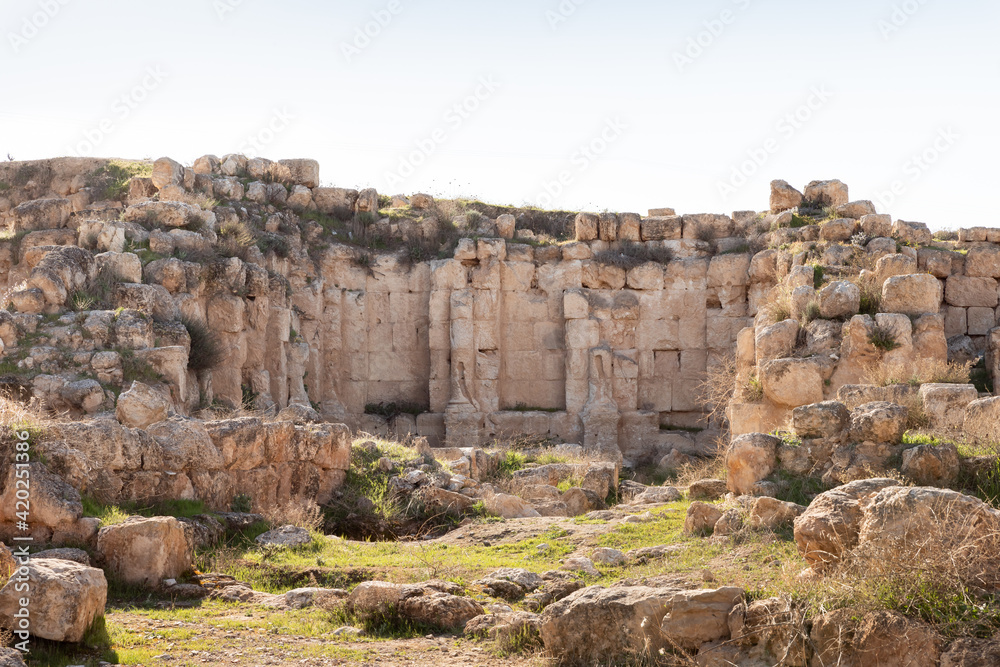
(927, 371)
(301, 512)
(941, 575)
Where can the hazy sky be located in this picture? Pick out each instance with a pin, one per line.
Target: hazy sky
(578, 104)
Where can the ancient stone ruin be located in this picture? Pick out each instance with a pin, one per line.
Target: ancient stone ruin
(236, 334)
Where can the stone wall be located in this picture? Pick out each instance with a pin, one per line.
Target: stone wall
(507, 335)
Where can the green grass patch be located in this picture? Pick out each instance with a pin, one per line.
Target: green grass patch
(112, 180)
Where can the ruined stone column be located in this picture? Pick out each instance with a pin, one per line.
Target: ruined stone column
(600, 415)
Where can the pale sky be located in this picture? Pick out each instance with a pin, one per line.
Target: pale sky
(575, 104)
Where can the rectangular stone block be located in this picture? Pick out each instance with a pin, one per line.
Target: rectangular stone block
(582, 334)
(981, 321)
(518, 336)
(575, 305)
(525, 307)
(662, 228)
(549, 336)
(486, 336)
(968, 292)
(654, 394)
(955, 321)
(462, 335)
(516, 276)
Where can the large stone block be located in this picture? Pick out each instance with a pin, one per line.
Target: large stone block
(913, 294)
(967, 292)
(983, 261)
(146, 551)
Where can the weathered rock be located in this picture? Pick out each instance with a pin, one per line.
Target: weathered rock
(820, 420)
(969, 652)
(770, 631)
(575, 629)
(831, 524)
(856, 209)
(302, 172)
(878, 422)
(66, 598)
(696, 617)
(921, 522)
(784, 196)
(839, 299)
(285, 536)
(707, 489)
(750, 459)
(76, 555)
(506, 628)
(915, 233)
(982, 420)
(776, 341)
(701, 518)
(607, 556)
(966, 292)
(141, 406)
(656, 494)
(146, 550)
(508, 506)
(53, 502)
(792, 382)
(439, 610)
(167, 172)
(932, 465)
(849, 638)
(945, 404)
(581, 564)
(912, 295)
(827, 193)
(10, 657)
(772, 513)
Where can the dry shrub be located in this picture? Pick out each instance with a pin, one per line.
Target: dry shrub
(944, 575)
(301, 512)
(719, 387)
(713, 468)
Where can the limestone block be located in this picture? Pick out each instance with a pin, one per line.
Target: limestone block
(912, 232)
(913, 294)
(856, 209)
(665, 228)
(967, 292)
(945, 404)
(648, 276)
(877, 225)
(629, 227)
(827, 193)
(792, 382)
(983, 261)
(582, 334)
(587, 226)
(784, 196)
(981, 321)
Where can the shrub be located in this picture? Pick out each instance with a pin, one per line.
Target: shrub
(135, 369)
(241, 503)
(819, 274)
(273, 242)
(628, 255)
(235, 239)
(883, 339)
(206, 349)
